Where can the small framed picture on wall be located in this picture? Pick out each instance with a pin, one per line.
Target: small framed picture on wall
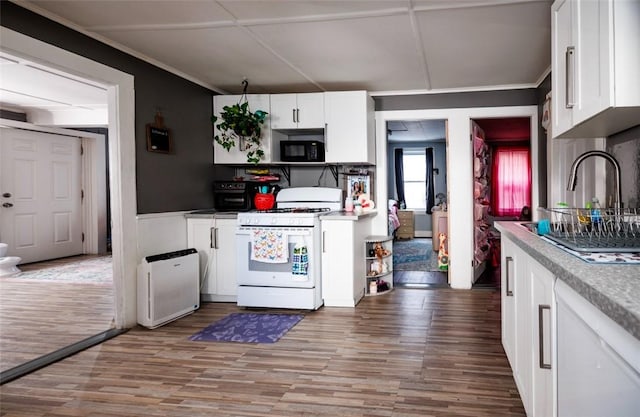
(358, 185)
(158, 136)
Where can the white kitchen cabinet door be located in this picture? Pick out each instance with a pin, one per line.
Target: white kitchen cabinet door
(215, 241)
(524, 327)
(595, 56)
(350, 130)
(593, 77)
(225, 259)
(235, 155)
(598, 369)
(297, 111)
(563, 64)
(508, 301)
(343, 266)
(283, 111)
(543, 306)
(199, 232)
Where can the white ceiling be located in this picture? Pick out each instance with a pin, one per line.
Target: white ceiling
(383, 46)
(37, 90)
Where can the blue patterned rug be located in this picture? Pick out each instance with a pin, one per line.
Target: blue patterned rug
(414, 255)
(248, 328)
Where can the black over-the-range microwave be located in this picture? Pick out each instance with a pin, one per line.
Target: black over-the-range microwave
(302, 151)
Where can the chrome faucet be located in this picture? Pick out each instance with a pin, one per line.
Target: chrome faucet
(573, 174)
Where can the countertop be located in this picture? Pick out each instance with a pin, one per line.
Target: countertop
(613, 289)
(211, 213)
(334, 215)
(347, 215)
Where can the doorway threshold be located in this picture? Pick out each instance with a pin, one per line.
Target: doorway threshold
(55, 356)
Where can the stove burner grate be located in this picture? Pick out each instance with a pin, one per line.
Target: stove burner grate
(295, 210)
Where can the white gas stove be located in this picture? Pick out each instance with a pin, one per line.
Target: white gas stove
(279, 250)
(299, 206)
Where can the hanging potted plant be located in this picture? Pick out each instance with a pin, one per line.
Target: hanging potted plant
(241, 127)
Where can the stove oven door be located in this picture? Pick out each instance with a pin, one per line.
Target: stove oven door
(261, 262)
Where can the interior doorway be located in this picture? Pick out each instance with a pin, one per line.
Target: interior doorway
(417, 200)
(459, 174)
(502, 187)
(120, 93)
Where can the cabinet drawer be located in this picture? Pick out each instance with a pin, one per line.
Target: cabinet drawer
(405, 232)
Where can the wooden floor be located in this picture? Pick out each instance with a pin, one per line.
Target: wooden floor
(408, 353)
(420, 279)
(39, 317)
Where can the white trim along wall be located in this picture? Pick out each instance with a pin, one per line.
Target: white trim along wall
(459, 174)
(122, 160)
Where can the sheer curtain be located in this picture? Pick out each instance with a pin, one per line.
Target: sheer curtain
(511, 180)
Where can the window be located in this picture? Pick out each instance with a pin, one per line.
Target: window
(511, 182)
(414, 178)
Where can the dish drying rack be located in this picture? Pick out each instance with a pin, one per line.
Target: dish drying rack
(594, 230)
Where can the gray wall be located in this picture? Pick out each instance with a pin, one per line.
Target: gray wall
(520, 97)
(625, 147)
(165, 182)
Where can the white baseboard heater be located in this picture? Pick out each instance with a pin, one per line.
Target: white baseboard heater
(168, 287)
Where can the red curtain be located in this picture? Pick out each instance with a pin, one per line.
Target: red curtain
(511, 180)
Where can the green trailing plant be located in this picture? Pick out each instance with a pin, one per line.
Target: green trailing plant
(241, 127)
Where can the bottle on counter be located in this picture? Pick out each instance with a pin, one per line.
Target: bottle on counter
(348, 204)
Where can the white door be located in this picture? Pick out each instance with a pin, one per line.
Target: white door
(40, 194)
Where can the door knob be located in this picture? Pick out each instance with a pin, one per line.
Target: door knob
(7, 205)
(6, 195)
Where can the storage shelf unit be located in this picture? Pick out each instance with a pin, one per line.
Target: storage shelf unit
(371, 262)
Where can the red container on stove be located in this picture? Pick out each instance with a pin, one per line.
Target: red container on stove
(264, 201)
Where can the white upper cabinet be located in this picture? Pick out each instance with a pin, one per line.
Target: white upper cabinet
(595, 58)
(236, 155)
(350, 127)
(297, 111)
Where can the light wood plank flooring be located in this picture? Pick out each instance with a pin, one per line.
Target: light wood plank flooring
(408, 353)
(39, 317)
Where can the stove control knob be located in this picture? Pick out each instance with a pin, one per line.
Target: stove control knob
(292, 221)
(273, 221)
(256, 221)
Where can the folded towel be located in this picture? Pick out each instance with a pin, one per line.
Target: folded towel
(269, 246)
(300, 261)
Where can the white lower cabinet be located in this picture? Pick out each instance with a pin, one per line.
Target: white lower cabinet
(598, 361)
(214, 239)
(343, 266)
(527, 327)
